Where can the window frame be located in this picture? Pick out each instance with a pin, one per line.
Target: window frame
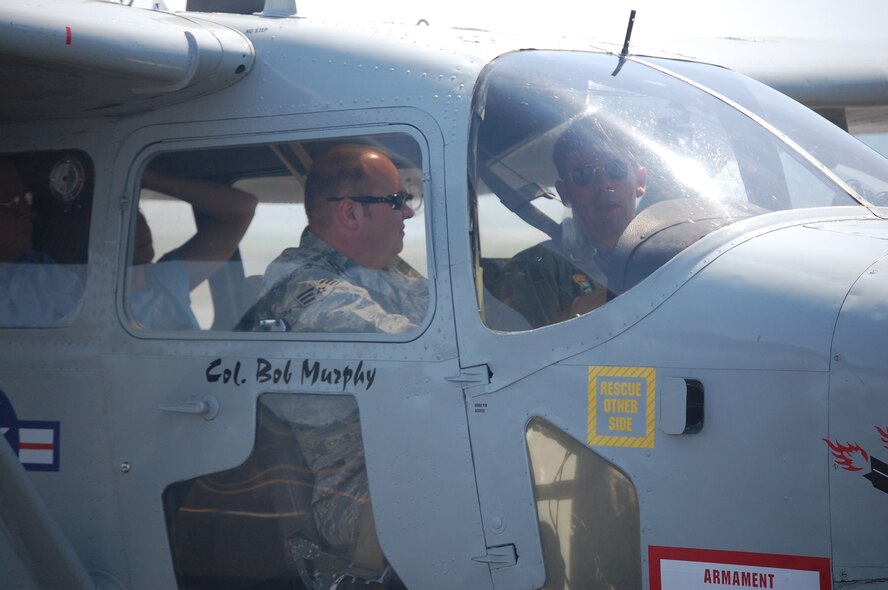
(190, 140)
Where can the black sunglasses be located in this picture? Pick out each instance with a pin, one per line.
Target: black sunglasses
(396, 200)
(584, 175)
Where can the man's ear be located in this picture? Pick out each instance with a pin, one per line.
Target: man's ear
(347, 214)
(640, 180)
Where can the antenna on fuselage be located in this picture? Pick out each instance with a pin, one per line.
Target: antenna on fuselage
(625, 51)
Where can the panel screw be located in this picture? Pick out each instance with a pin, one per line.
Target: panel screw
(125, 467)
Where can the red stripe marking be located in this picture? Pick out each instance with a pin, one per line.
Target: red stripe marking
(37, 446)
(67, 35)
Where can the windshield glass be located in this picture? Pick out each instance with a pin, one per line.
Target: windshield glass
(588, 174)
(862, 168)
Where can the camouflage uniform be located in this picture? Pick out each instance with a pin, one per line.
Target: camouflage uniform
(315, 288)
(542, 281)
(328, 430)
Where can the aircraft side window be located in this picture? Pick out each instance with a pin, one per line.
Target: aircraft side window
(224, 239)
(45, 206)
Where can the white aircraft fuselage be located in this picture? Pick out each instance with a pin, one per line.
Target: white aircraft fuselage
(717, 418)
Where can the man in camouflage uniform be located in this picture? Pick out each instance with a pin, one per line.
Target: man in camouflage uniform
(316, 288)
(601, 183)
(345, 276)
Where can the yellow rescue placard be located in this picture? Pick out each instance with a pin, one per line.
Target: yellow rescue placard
(622, 407)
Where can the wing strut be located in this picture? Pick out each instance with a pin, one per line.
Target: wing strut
(37, 539)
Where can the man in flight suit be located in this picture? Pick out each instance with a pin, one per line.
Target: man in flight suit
(601, 182)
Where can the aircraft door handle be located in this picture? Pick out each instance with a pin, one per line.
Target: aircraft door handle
(468, 376)
(499, 556)
(681, 405)
(208, 407)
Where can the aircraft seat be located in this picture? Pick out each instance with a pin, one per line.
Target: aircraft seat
(236, 526)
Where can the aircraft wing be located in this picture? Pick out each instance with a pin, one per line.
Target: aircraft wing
(61, 58)
(843, 79)
(64, 58)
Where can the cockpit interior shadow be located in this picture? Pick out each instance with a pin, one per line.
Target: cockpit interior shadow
(252, 526)
(62, 184)
(662, 230)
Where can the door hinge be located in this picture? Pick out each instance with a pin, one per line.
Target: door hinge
(499, 557)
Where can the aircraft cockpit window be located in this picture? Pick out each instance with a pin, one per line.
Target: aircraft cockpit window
(585, 180)
(45, 207)
(302, 236)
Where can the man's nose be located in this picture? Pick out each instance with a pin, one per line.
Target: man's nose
(407, 211)
(603, 183)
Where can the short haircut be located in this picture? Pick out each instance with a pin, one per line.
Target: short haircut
(337, 173)
(591, 134)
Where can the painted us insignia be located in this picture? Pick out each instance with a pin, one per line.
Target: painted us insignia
(36, 443)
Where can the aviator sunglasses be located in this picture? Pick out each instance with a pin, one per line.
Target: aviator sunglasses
(396, 200)
(616, 169)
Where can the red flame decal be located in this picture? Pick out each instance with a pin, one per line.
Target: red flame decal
(844, 454)
(883, 432)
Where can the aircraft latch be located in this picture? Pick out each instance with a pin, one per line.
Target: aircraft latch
(471, 376)
(499, 556)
